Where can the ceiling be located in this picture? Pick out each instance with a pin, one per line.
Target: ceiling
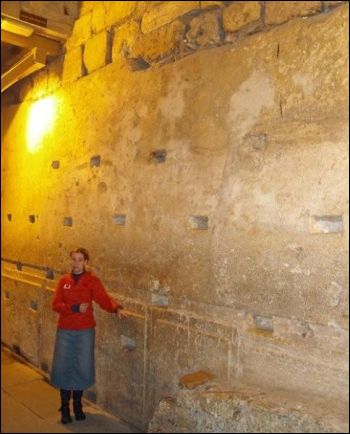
(31, 31)
(9, 54)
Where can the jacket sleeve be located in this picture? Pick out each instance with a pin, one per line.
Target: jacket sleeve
(58, 303)
(105, 301)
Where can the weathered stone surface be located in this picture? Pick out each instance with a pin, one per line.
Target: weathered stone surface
(240, 14)
(159, 44)
(96, 52)
(165, 13)
(331, 4)
(98, 17)
(245, 410)
(54, 73)
(23, 335)
(119, 11)
(40, 84)
(191, 381)
(204, 31)
(108, 14)
(82, 31)
(72, 65)
(256, 141)
(86, 7)
(123, 40)
(279, 12)
(210, 4)
(125, 361)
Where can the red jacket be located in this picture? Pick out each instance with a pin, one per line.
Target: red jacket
(88, 289)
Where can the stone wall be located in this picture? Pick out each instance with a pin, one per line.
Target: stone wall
(199, 151)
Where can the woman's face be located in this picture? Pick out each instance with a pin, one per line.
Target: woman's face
(78, 262)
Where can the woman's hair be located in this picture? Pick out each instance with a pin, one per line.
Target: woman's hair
(83, 251)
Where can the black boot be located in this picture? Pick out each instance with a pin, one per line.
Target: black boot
(77, 405)
(65, 412)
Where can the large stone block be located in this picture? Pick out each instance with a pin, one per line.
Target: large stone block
(8, 310)
(96, 51)
(240, 14)
(205, 31)
(332, 4)
(281, 11)
(98, 17)
(49, 321)
(211, 4)
(124, 39)
(72, 65)
(245, 409)
(108, 14)
(81, 32)
(165, 13)
(86, 7)
(311, 366)
(159, 44)
(118, 12)
(54, 73)
(24, 303)
(125, 382)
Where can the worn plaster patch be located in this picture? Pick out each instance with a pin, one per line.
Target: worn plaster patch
(247, 102)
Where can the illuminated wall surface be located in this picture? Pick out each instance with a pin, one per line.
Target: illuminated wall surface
(40, 122)
(199, 151)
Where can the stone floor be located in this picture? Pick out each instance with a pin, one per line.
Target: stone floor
(30, 405)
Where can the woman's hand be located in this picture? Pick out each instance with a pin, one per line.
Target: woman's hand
(83, 307)
(122, 313)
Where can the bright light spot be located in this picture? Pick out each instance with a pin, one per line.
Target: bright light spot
(40, 121)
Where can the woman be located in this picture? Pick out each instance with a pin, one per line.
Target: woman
(73, 367)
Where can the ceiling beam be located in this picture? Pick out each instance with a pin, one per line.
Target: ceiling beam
(30, 62)
(34, 41)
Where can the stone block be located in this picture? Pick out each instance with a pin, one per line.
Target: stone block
(23, 335)
(81, 32)
(72, 65)
(211, 4)
(108, 14)
(282, 11)
(86, 7)
(49, 320)
(240, 14)
(204, 31)
(96, 52)
(245, 409)
(159, 44)
(124, 358)
(98, 18)
(124, 39)
(54, 73)
(118, 12)
(165, 13)
(332, 4)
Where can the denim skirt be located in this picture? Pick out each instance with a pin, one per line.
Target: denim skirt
(73, 366)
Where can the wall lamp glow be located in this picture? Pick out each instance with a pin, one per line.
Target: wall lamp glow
(41, 117)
